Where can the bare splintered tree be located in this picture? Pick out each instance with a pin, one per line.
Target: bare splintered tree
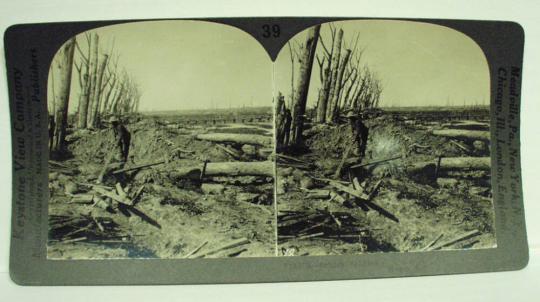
(345, 85)
(93, 79)
(103, 90)
(61, 69)
(307, 56)
(83, 69)
(336, 66)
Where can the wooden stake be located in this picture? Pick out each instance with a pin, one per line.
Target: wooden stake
(342, 162)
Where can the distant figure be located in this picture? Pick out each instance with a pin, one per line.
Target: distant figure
(288, 121)
(51, 125)
(359, 133)
(283, 122)
(118, 155)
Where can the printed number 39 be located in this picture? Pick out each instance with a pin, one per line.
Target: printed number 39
(271, 30)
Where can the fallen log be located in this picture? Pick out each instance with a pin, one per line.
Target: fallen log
(454, 163)
(250, 139)
(463, 134)
(468, 125)
(259, 168)
(240, 126)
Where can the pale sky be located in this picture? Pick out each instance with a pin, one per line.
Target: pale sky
(419, 64)
(185, 65)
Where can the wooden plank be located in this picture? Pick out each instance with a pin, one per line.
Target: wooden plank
(349, 190)
(342, 162)
(120, 190)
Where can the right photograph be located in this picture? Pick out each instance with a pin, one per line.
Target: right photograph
(383, 140)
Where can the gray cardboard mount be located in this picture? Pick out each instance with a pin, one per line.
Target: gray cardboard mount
(29, 49)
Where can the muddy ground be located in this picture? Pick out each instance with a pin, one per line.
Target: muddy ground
(414, 212)
(172, 217)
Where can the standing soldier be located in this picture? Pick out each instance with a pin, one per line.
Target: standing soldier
(359, 133)
(118, 155)
(283, 122)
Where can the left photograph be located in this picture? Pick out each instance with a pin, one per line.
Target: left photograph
(161, 144)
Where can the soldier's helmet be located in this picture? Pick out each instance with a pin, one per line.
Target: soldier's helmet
(113, 119)
(351, 115)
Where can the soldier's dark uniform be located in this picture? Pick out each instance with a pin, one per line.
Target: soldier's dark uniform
(118, 155)
(359, 133)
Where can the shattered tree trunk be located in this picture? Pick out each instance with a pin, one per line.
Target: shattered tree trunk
(334, 73)
(324, 91)
(250, 139)
(82, 114)
(97, 94)
(302, 88)
(62, 67)
(92, 77)
(258, 168)
(337, 93)
(117, 100)
(322, 103)
(107, 99)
